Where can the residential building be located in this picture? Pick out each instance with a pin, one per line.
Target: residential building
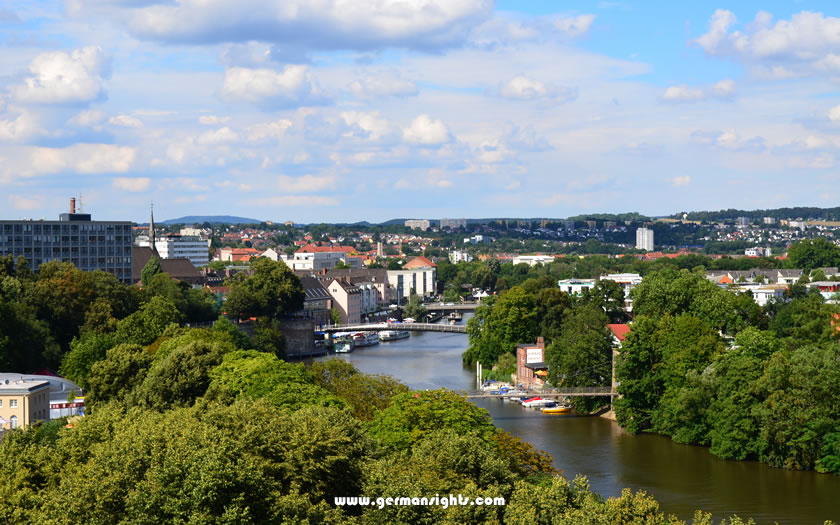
(788, 276)
(418, 262)
(456, 256)
(533, 260)
(764, 294)
(318, 302)
(75, 238)
(191, 232)
(314, 258)
(453, 223)
(758, 251)
(531, 369)
(742, 222)
(475, 239)
(23, 402)
(368, 303)
(421, 224)
(627, 281)
(347, 298)
(272, 254)
(769, 220)
(619, 334)
(569, 225)
(176, 246)
(828, 289)
(421, 280)
(644, 239)
(237, 254)
(575, 286)
(592, 225)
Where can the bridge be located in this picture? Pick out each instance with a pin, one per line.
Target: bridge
(579, 391)
(411, 327)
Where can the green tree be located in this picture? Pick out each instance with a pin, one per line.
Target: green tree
(335, 316)
(272, 290)
(268, 337)
(814, 253)
(115, 377)
(147, 324)
(86, 350)
(415, 309)
(152, 268)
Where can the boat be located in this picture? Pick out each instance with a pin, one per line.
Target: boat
(393, 335)
(344, 345)
(532, 402)
(361, 339)
(559, 409)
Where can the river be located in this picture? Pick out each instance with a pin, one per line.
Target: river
(683, 478)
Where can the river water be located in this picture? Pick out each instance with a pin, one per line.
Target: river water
(683, 478)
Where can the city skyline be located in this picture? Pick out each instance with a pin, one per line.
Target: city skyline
(466, 108)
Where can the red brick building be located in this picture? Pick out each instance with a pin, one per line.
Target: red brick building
(531, 369)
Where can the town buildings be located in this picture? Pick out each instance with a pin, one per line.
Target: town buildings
(417, 224)
(575, 286)
(456, 256)
(75, 238)
(314, 258)
(23, 403)
(644, 239)
(418, 274)
(533, 260)
(531, 369)
(347, 298)
(453, 223)
(177, 246)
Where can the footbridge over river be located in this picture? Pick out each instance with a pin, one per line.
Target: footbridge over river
(411, 327)
(552, 393)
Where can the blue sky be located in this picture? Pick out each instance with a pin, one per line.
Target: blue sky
(374, 109)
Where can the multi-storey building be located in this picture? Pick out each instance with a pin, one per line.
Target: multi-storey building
(453, 223)
(75, 238)
(175, 246)
(456, 256)
(644, 239)
(422, 224)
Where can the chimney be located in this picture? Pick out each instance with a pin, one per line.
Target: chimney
(540, 342)
(72, 204)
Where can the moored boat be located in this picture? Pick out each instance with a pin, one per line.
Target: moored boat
(393, 335)
(344, 345)
(559, 409)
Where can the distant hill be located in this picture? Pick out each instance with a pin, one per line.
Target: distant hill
(212, 219)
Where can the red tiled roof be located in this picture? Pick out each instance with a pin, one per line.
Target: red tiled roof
(311, 248)
(620, 331)
(419, 262)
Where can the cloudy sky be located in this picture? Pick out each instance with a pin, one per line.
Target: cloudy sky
(346, 110)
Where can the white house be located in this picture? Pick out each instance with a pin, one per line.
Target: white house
(533, 260)
(575, 286)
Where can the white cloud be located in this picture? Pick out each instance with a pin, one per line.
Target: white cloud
(305, 183)
(372, 125)
(65, 78)
(507, 28)
(212, 120)
(424, 130)
(523, 88)
(268, 130)
(378, 84)
(326, 25)
(22, 127)
(723, 89)
(19, 202)
(131, 184)
(804, 45)
(291, 87)
(87, 118)
(834, 113)
(219, 136)
(574, 26)
(126, 121)
(79, 158)
(296, 200)
(682, 180)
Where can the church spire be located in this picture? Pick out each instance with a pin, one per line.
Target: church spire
(152, 229)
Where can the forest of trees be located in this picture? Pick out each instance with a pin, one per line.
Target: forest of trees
(209, 425)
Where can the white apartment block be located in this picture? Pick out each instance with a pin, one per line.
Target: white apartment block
(644, 239)
(421, 280)
(317, 261)
(533, 260)
(456, 256)
(422, 224)
(453, 223)
(175, 246)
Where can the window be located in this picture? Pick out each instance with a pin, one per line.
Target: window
(13, 403)
(1, 403)
(13, 421)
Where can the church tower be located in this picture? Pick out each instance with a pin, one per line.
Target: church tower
(152, 230)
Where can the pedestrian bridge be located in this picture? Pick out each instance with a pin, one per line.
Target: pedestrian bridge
(411, 327)
(443, 307)
(586, 391)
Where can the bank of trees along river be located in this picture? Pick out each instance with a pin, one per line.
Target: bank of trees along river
(211, 426)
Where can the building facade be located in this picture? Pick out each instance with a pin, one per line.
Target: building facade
(347, 298)
(531, 369)
(74, 238)
(23, 403)
(533, 260)
(456, 256)
(414, 224)
(644, 239)
(453, 223)
(175, 246)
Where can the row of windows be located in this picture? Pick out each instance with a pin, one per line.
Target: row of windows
(28, 239)
(12, 403)
(66, 250)
(64, 228)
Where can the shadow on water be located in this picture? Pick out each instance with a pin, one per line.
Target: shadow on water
(683, 478)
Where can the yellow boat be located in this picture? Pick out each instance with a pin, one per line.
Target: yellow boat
(562, 409)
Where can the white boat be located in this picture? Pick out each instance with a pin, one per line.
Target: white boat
(393, 335)
(537, 402)
(365, 339)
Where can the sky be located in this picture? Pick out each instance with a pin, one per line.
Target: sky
(350, 110)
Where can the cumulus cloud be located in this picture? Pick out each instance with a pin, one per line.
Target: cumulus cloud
(724, 89)
(804, 45)
(382, 84)
(85, 159)
(131, 184)
(219, 136)
(372, 126)
(65, 78)
(268, 130)
(212, 120)
(834, 114)
(574, 26)
(126, 121)
(19, 128)
(327, 25)
(523, 88)
(729, 140)
(305, 183)
(19, 202)
(682, 180)
(426, 131)
(88, 118)
(272, 89)
(505, 29)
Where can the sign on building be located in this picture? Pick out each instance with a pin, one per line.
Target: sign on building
(534, 355)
